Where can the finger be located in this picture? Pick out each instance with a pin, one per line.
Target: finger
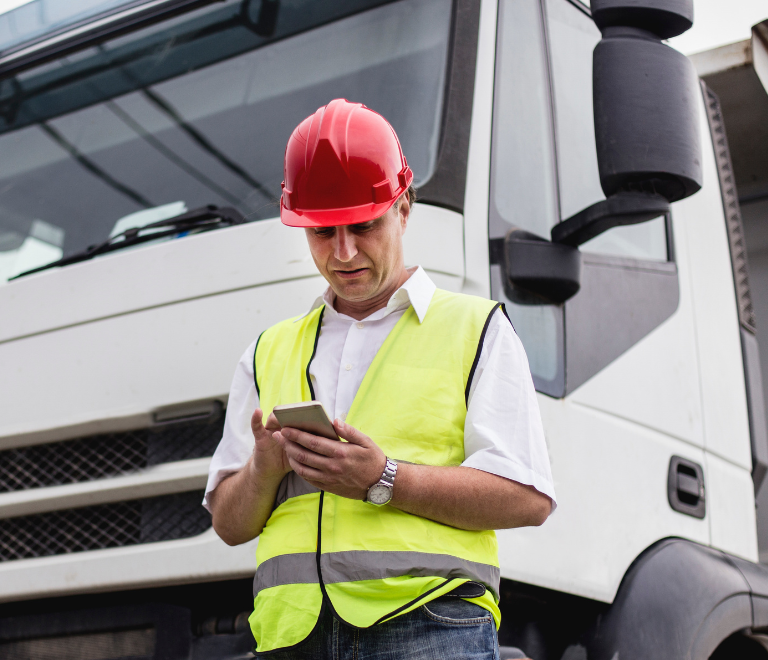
(351, 434)
(272, 423)
(314, 443)
(256, 425)
(307, 473)
(309, 458)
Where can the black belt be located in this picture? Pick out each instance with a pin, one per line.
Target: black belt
(467, 590)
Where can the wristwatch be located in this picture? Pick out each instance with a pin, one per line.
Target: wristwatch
(381, 492)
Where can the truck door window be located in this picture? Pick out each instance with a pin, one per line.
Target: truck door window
(523, 174)
(572, 37)
(197, 110)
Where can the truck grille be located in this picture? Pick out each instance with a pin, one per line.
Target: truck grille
(112, 525)
(106, 455)
(112, 645)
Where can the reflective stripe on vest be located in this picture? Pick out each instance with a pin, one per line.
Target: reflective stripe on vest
(354, 565)
(373, 562)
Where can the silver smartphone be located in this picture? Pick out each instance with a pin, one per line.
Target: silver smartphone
(309, 416)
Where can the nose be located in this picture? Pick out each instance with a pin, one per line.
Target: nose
(344, 248)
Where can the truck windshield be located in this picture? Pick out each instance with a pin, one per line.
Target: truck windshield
(197, 110)
(23, 21)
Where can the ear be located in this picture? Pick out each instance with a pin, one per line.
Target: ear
(405, 210)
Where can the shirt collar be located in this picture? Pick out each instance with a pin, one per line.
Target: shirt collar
(417, 291)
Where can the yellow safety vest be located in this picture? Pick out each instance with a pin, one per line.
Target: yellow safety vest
(373, 563)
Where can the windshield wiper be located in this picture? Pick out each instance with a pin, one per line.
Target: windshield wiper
(202, 219)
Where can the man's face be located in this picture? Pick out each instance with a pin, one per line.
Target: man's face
(361, 261)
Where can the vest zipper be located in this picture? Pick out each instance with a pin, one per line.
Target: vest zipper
(322, 492)
(318, 554)
(314, 350)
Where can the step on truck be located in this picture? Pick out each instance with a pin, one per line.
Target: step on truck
(569, 163)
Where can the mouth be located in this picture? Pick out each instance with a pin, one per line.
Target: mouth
(351, 274)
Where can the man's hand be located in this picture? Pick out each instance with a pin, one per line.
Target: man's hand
(459, 496)
(268, 456)
(347, 469)
(242, 503)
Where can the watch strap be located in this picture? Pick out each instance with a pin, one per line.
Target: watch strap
(387, 478)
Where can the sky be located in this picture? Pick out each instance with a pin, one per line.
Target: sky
(720, 22)
(7, 5)
(716, 22)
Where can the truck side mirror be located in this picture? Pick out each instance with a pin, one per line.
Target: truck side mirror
(536, 271)
(647, 139)
(646, 116)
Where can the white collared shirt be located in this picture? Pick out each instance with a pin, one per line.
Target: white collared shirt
(503, 434)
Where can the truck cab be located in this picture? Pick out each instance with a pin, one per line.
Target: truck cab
(141, 251)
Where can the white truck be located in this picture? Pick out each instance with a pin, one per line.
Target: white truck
(569, 163)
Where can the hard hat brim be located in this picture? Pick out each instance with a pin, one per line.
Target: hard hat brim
(353, 215)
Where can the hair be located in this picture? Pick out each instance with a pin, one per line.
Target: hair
(411, 192)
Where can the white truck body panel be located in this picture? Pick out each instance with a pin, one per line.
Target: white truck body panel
(477, 272)
(610, 477)
(723, 396)
(248, 278)
(197, 559)
(731, 508)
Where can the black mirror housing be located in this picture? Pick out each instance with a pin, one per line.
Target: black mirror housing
(537, 272)
(665, 18)
(645, 97)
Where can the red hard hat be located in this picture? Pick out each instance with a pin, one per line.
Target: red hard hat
(343, 165)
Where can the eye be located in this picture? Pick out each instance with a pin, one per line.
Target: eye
(324, 232)
(363, 227)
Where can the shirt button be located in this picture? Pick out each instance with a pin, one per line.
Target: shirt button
(348, 367)
(361, 325)
(343, 416)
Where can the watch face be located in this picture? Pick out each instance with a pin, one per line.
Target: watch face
(380, 494)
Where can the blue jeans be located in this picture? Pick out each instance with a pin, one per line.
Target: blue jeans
(445, 629)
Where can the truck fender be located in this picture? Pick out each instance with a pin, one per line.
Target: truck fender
(680, 600)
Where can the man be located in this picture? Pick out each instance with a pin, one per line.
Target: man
(380, 546)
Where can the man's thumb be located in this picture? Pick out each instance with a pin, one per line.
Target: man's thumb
(256, 418)
(349, 433)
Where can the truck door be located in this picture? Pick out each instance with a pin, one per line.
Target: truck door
(617, 366)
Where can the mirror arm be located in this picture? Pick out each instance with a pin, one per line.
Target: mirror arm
(623, 208)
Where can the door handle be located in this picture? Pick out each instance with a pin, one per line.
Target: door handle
(685, 487)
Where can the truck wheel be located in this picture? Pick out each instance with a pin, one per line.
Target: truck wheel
(741, 647)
